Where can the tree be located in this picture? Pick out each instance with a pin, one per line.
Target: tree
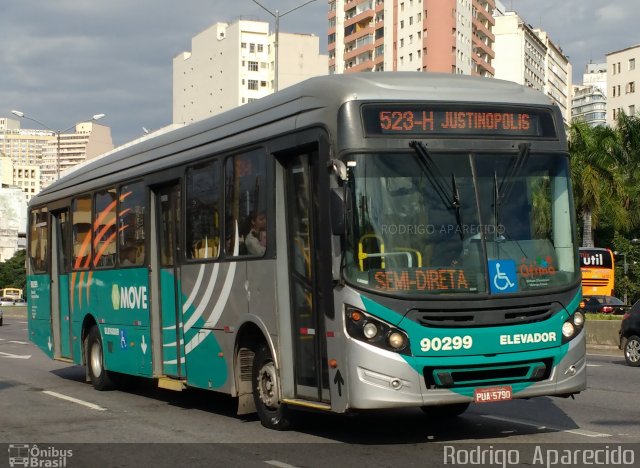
(13, 273)
(596, 178)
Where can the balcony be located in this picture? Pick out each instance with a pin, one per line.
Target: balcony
(364, 17)
(365, 66)
(360, 31)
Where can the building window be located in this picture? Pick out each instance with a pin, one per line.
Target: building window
(253, 66)
(632, 110)
(252, 84)
(252, 48)
(631, 87)
(243, 45)
(632, 64)
(260, 48)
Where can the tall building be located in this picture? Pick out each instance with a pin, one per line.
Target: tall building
(595, 74)
(70, 149)
(24, 148)
(451, 36)
(528, 56)
(233, 64)
(589, 104)
(623, 79)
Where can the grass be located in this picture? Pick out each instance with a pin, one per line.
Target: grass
(603, 317)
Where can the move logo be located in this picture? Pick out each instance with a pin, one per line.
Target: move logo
(129, 297)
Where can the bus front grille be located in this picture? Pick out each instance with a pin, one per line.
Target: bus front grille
(490, 374)
(489, 315)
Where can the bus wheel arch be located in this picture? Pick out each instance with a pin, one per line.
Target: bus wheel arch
(257, 378)
(93, 359)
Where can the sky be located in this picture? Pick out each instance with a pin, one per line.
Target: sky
(63, 61)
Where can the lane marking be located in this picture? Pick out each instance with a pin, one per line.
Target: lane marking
(542, 426)
(604, 355)
(18, 342)
(279, 464)
(74, 400)
(15, 356)
(594, 365)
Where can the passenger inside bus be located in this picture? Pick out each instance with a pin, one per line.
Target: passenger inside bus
(256, 238)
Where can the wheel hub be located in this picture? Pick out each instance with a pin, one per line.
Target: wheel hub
(633, 351)
(268, 386)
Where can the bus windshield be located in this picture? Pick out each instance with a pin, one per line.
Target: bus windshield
(460, 223)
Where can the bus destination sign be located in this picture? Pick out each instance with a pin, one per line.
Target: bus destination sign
(440, 120)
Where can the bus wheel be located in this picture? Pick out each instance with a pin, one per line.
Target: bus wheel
(266, 392)
(99, 376)
(446, 411)
(632, 351)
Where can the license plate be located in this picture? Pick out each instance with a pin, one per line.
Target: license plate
(490, 394)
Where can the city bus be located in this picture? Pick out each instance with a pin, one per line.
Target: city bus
(14, 293)
(597, 268)
(352, 242)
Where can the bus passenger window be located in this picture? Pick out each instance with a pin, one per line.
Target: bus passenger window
(104, 229)
(81, 219)
(38, 236)
(246, 204)
(203, 213)
(131, 224)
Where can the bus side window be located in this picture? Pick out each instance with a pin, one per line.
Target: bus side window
(131, 250)
(81, 219)
(203, 214)
(245, 203)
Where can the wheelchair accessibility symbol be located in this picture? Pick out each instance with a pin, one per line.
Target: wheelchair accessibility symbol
(503, 276)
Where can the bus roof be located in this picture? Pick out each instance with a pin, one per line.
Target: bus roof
(312, 101)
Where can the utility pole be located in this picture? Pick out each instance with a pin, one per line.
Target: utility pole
(277, 15)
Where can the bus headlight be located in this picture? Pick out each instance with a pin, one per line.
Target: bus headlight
(578, 319)
(568, 329)
(572, 326)
(369, 329)
(396, 340)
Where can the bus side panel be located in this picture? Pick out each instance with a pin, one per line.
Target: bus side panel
(127, 349)
(119, 302)
(39, 312)
(65, 338)
(206, 365)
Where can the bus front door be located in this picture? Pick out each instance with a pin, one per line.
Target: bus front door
(60, 310)
(309, 351)
(168, 229)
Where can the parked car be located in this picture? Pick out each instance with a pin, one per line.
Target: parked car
(6, 301)
(604, 305)
(0, 317)
(630, 335)
(20, 302)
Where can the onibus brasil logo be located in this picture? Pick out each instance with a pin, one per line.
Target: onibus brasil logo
(32, 455)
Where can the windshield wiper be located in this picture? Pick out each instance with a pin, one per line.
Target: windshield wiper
(434, 176)
(514, 169)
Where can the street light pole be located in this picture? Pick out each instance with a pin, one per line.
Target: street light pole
(276, 41)
(22, 115)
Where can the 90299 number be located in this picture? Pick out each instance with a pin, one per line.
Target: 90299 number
(446, 343)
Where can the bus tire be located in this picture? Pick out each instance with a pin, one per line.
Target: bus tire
(446, 411)
(266, 392)
(99, 376)
(632, 351)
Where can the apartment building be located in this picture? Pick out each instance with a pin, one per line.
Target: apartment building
(23, 148)
(87, 141)
(233, 64)
(450, 36)
(589, 104)
(623, 81)
(527, 56)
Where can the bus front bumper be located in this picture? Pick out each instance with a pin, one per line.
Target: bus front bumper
(382, 379)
